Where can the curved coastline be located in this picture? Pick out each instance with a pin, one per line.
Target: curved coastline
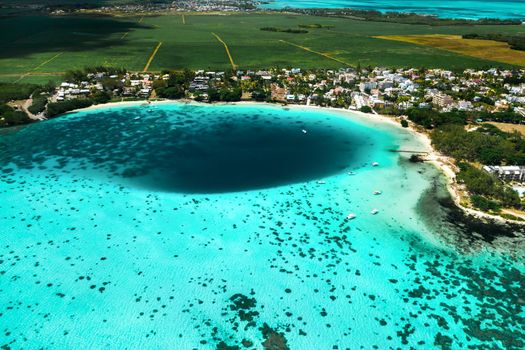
(213, 250)
(444, 164)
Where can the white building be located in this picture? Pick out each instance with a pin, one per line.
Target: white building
(507, 173)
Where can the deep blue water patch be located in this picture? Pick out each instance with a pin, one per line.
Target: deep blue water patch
(190, 148)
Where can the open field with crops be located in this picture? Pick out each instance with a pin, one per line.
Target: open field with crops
(509, 127)
(40, 48)
(484, 49)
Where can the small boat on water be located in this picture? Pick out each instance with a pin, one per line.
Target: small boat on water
(377, 192)
(321, 182)
(304, 131)
(374, 211)
(375, 164)
(136, 118)
(351, 173)
(350, 216)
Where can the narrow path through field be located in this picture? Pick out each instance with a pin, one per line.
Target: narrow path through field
(183, 19)
(39, 66)
(234, 67)
(146, 67)
(316, 52)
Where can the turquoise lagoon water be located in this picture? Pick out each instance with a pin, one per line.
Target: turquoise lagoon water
(468, 9)
(122, 228)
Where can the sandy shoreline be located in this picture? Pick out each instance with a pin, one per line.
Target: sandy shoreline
(444, 164)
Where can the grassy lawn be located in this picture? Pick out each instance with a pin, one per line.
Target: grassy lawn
(42, 47)
(484, 49)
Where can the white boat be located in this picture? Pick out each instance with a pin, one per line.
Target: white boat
(375, 164)
(136, 118)
(321, 182)
(374, 211)
(350, 216)
(351, 173)
(304, 131)
(377, 192)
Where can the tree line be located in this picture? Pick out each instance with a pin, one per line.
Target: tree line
(515, 42)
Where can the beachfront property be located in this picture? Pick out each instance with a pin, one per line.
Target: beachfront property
(510, 173)
(382, 90)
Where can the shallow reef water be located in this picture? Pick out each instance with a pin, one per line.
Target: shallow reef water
(468, 9)
(186, 226)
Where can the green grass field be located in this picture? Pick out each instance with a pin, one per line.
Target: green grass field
(37, 49)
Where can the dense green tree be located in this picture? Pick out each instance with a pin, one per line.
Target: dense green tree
(10, 117)
(486, 145)
(171, 92)
(38, 105)
(366, 109)
(56, 108)
(260, 95)
(101, 97)
(482, 184)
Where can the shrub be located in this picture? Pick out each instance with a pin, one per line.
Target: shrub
(485, 204)
(38, 105)
(366, 109)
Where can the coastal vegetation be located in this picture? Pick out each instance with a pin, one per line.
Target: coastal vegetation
(488, 193)
(38, 105)
(175, 87)
(10, 116)
(224, 95)
(430, 118)
(470, 147)
(484, 145)
(56, 108)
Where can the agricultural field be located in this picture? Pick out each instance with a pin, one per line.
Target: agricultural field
(509, 127)
(40, 48)
(484, 49)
